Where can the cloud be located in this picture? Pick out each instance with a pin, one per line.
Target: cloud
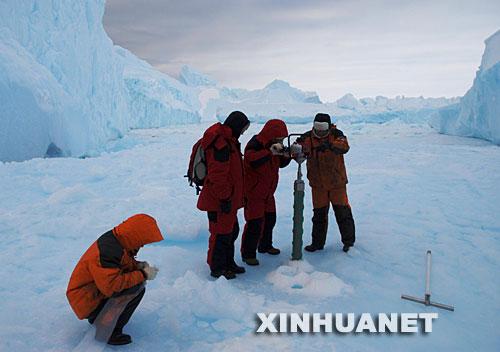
(365, 47)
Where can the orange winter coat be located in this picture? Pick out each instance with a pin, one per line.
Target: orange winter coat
(325, 158)
(108, 266)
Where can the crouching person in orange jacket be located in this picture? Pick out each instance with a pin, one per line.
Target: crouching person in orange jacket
(108, 270)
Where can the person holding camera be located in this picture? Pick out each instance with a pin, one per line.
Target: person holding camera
(222, 193)
(264, 156)
(324, 147)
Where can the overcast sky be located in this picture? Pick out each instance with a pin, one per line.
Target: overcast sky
(367, 48)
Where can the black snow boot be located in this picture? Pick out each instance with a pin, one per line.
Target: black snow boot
(228, 274)
(270, 250)
(345, 221)
(312, 248)
(235, 268)
(319, 229)
(251, 261)
(118, 338)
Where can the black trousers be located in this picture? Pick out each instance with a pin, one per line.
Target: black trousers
(258, 233)
(345, 222)
(221, 250)
(127, 312)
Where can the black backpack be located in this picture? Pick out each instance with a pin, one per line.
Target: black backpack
(197, 169)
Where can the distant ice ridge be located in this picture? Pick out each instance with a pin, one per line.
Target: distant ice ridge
(62, 84)
(156, 99)
(278, 99)
(260, 106)
(277, 91)
(478, 113)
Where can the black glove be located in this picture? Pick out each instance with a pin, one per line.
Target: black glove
(323, 147)
(225, 206)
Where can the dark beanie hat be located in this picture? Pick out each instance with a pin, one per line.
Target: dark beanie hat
(236, 121)
(321, 117)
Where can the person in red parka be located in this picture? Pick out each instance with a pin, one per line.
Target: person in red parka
(263, 158)
(222, 193)
(108, 270)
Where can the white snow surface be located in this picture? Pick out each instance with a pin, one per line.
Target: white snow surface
(478, 113)
(411, 189)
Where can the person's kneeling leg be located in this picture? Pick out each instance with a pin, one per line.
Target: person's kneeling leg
(113, 313)
(118, 337)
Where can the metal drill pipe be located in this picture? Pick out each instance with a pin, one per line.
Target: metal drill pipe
(298, 216)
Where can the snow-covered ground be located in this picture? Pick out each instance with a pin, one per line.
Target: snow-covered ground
(411, 189)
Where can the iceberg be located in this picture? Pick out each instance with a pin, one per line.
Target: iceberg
(478, 113)
(156, 99)
(65, 87)
(194, 78)
(60, 82)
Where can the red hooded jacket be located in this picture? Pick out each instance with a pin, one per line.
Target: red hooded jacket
(224, 180)
(261, 167)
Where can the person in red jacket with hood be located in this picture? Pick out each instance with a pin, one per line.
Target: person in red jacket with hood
(222, 193)
(263, 158)
(109, 270)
